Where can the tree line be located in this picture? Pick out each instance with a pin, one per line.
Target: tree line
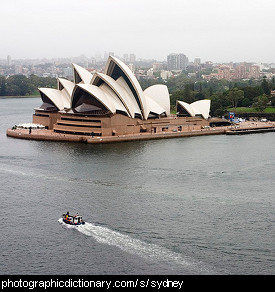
(20, 85)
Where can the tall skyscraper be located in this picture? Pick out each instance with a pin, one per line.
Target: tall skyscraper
(177, 62)
(197, 61)
(9, 60)
(132, 58)
(125, 57)
(98, 57)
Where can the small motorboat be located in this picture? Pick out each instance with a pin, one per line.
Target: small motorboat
(72, 219)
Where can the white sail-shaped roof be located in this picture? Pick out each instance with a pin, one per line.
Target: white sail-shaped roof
(116, 68)
(159, 93)
(117, 102)
(66, 87)
(202, 107)
(57, 97)
(197, 108)
(121, 91)
(187, 107)
(81, 75)
(128, 95)
(154, 106)
(99, 94)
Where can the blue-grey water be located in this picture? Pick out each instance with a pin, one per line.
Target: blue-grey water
(199, 205)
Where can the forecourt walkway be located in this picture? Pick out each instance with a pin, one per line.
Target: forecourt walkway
(49, 135)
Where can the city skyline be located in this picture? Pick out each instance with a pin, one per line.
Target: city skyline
(218, 31)
(145, 69)
(99, 58)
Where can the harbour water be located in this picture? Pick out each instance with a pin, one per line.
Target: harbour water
(198, 205)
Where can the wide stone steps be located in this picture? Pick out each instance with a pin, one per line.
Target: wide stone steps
(76, 129)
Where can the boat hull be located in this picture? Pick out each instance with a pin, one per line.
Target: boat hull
(72, 223)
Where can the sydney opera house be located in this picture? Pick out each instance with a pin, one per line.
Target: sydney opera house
(113, 103)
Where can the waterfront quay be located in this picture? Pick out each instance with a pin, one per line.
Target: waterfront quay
(49, 135)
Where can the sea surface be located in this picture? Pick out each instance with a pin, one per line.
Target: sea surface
(197, 205)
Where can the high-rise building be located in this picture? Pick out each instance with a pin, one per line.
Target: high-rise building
(165, 74)
(132, 58)
(9, 60)
(106, 55)
(177, 62)
(197, 61)
(254, 71)
(98, 57)
(240, 71)
(126, 58)
(132, 67)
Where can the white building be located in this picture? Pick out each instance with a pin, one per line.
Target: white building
(164, 74)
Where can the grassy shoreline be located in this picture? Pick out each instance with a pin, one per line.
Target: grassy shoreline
(268, 110)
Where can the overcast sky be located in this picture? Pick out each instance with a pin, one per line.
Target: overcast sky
(215, 30)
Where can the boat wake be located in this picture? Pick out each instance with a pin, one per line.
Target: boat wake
(143, 249)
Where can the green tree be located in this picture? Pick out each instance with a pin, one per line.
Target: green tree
(199, 96)
(187, 94)
(250, 92)
(265, 86)
(211, 91)
(234, 96)
(200, 87)
(3, 86)
(13, 90)
(261, 103)
(246, 102)
(18, 85)
(176, 95)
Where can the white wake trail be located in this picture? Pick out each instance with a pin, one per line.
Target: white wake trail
(137, 247)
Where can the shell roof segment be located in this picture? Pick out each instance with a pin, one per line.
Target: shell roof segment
(97, 93)
(200, 107)
(67, 85)
(56, 97)
(159, 93)
(116, 68)
(81, 75)
(125, 96)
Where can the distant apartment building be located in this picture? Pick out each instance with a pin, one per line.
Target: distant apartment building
(132, 58)
(238, 71)
(165, 74)
(177, 62)
(197, 61)
(224, 72)
(254, 71)
(125, 58)
(98, 57)
(132, 67)
(150, 73)
(8, 60)
(208, 65)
